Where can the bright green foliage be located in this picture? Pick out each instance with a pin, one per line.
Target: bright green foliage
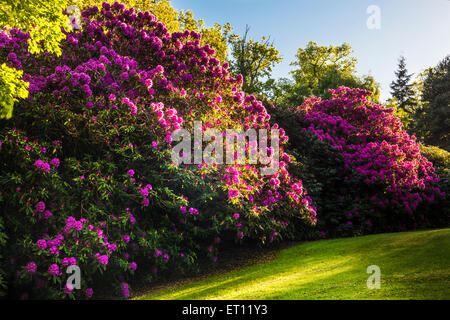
(12, 88)
(439, 157)
(320, 68)
(216, 37)
(163, 11)
(413, 265)
(404, 116)
(43, 19)
(318, 62)
(253, 59)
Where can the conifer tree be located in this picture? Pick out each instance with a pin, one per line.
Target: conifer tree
(402, 89)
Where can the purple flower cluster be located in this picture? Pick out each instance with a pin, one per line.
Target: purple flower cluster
(88, 293)
(31, 267)
(125, 289)
(73, 224)
(42, 165)
(103, 259)
(40, 206)
(69, 261)
(54, 270)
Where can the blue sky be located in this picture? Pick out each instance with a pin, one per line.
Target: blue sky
(418, 29)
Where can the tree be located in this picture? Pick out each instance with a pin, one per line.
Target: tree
(43, 21)
(432, 119)
(277, 90)
(408, 118)
(316, 62)
(402, 89)
(320, 68)
(252, 59)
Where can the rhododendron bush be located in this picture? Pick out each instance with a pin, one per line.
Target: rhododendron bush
(86, 176)
(369, 173)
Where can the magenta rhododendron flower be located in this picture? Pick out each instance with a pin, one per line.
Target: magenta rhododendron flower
(73, 224)
(144, 192)
(88, 293)
(54, 250)
(193, 211)
(125, 238)
(47, 214)
(103, 259)
(125, 289)
(39, 163)
(54, 270)
(68, 288)
(31, 267)
(132, 218)
(233, 194)
(45, 167)
(41, 244)
(157, 253)
(65, 262)
(55, 162)
(42, 165)
(40, 206)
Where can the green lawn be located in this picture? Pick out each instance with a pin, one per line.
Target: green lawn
(414, 265)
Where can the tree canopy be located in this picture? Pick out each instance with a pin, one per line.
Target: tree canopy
(253, 59)
(320, 68)
(432, 119)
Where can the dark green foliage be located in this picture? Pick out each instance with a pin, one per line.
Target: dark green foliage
(432, 120)
(402, 89)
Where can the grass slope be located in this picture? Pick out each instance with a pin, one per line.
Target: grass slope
(414, 265)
